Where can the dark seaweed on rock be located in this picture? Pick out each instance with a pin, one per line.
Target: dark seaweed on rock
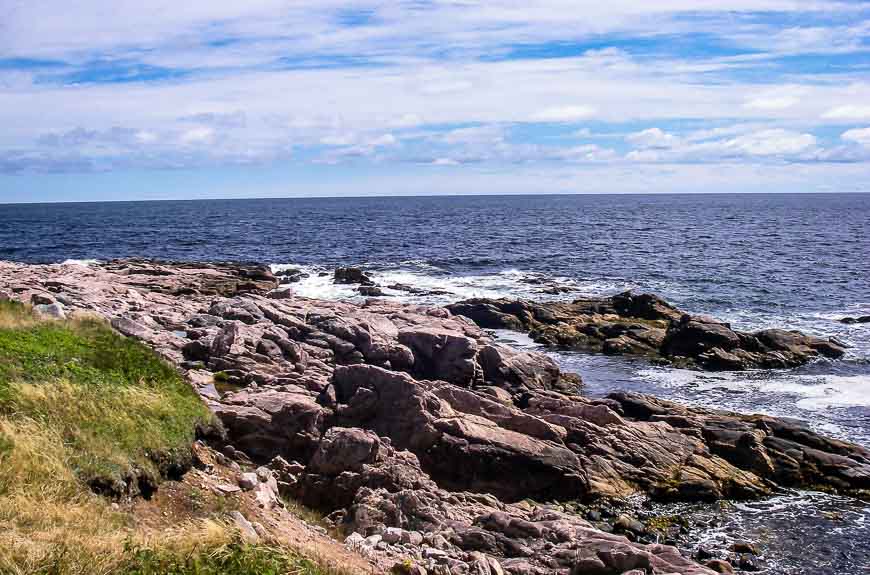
(646, 325)
(411, 421)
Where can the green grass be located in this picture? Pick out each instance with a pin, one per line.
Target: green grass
(114, 403)
(80, 403)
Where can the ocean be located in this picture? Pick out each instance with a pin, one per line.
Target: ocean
(756, 260)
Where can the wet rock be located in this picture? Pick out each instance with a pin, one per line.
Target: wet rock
(748, 562)
(351, 276)
(719, 566)
(646, 325)
(290, 276)
(626, 524)
(703, 554)
(370, 291)
(744, 547)
(690, 338)
(854, 320)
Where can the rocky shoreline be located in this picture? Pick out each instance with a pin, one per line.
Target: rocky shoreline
(427, 441)
(646, 325)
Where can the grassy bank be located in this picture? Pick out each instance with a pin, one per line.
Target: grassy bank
(84, 411)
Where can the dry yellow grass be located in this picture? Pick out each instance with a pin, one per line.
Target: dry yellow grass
(11, 316)
(78, 402)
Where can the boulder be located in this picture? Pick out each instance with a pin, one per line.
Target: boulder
(41, 299)
(690, 338)
(505, 367)
(442, 354)
(53, 310)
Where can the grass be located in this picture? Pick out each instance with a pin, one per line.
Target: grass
(80, 406)
(111, 404)
(232, 558)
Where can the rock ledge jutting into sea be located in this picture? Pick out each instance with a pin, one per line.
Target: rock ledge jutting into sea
(411, 427)
(646, 325)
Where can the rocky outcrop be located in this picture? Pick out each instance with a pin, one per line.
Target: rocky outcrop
(413, 418)
(646, 325)
(383, 493)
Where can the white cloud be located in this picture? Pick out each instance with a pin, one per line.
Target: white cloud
(309, 26)
(848, 112)
(383, 141)
(587, 153)
(563, 114)
(338, 139)
(857, 135)
(489, 134)
(406, 121)
(427, 81)
(146, 137)
(652, 138)
(726, 143)
(772, 102)
(771, 142)
(198, 135)
(444, 162)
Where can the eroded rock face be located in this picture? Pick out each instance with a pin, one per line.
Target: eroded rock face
(627, 324)
(414, 418)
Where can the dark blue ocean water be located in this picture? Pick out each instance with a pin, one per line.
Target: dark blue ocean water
(759, 252)
(794, 261)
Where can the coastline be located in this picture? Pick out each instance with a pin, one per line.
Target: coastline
(320, 383)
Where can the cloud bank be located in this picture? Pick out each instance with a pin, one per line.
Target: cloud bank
(677, 90)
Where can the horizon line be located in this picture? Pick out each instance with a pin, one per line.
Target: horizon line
(410, 196)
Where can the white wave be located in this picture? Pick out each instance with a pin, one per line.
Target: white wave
(79, 262)
(440, 288)
(838, 391)
(812, 392)
(319, 283)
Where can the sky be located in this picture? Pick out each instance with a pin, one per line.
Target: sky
(125, 99)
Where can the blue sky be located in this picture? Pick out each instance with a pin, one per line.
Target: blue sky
(123, 99)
